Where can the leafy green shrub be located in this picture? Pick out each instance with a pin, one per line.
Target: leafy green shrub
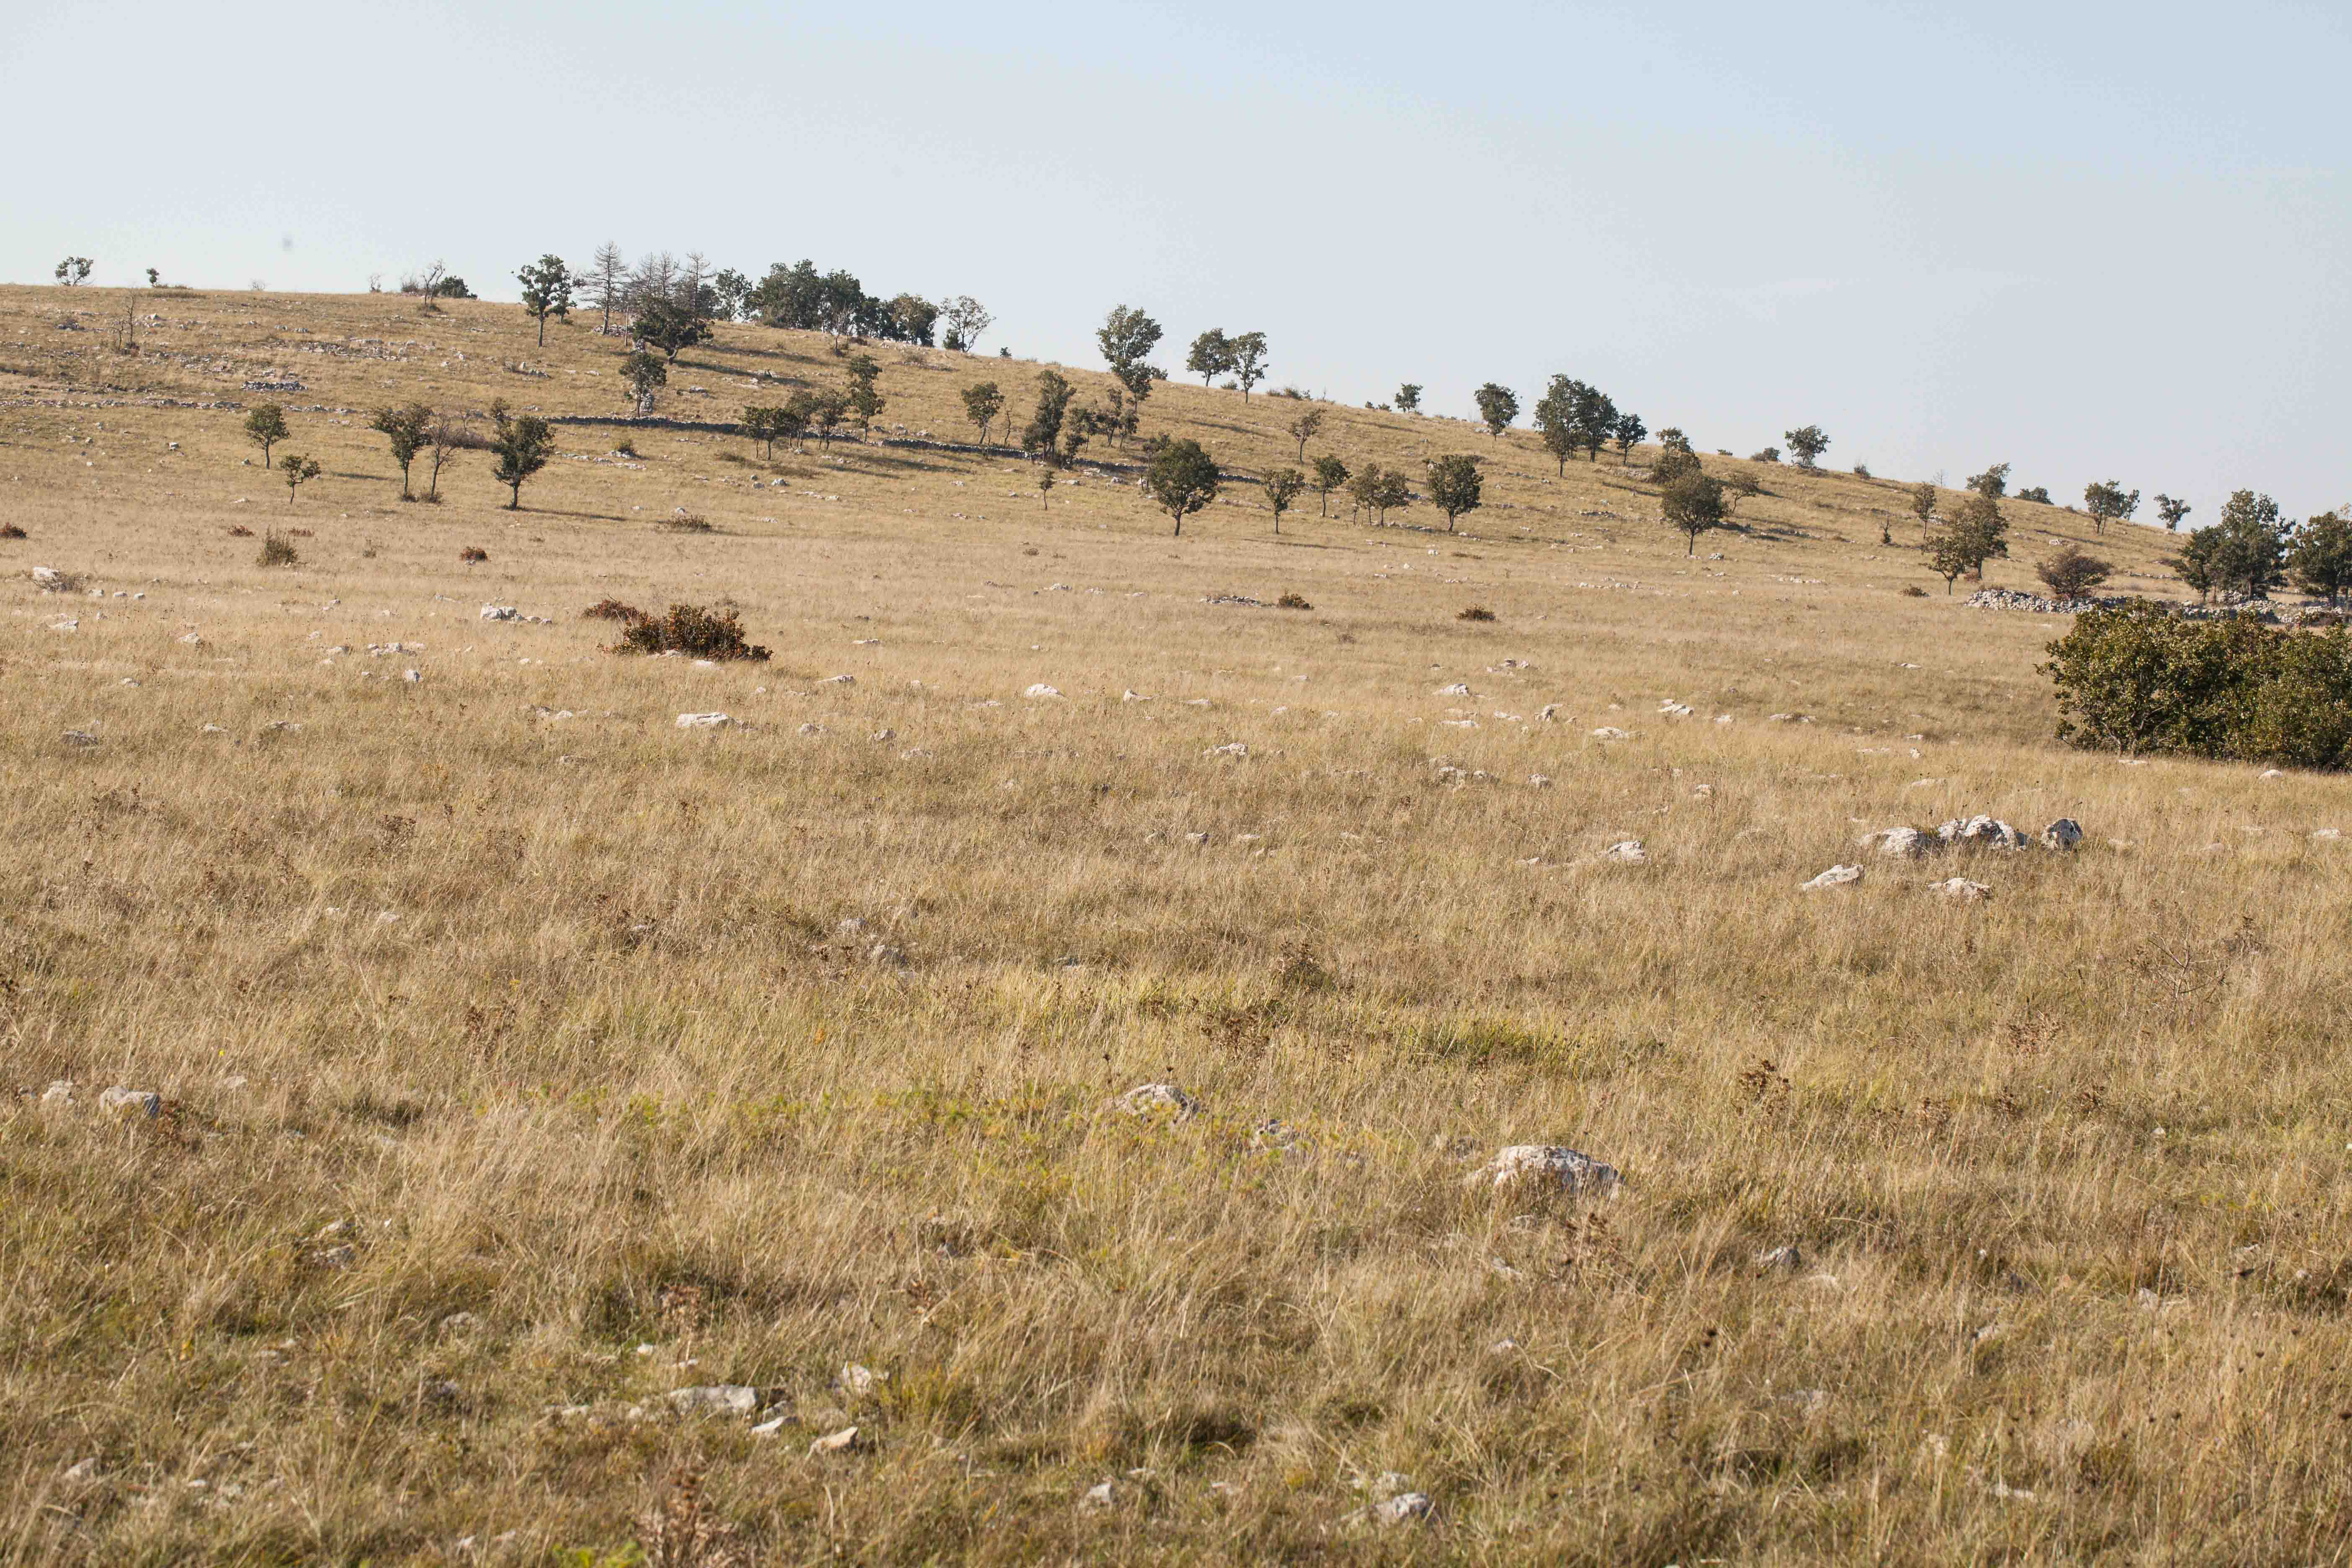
(2137, 678)
(689, 630)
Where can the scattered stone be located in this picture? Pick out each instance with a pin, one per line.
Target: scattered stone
(1610, 732)
(146, 1103)
(1405, 1507)
(2064, 834)
(1100, 1498)
(838, 680)
(81, 1470)
(1835, 876)
(703, 721)
(1198, 840)
(716, 1399)
(839, 1442)
(411, 676)
(1983, 831)
(884, 735)
(882, 955)
(1961, 888)
(856, 1382)
(1276, 1136)
(499, 612)
(1627, 852)
(80, 738)
(1133, 697)
(1538, 781)
(59, 1092)
(1897, 842)
(1549, 714)
(1040, 691)
(1230, 749)
(1786, 1259)
(1459, 688)
(1674, 710)
(52, 580)
(811, 728)
(1158, 1099)
(1789, 718)
(1545, 1166)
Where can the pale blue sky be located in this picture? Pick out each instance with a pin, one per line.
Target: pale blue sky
(2095, 240)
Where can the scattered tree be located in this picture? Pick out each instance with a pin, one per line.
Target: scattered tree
(1211, 355)
(1768, 455)
(669, 326)
(1992, 484)
(864, 400)
(1498, 407)
(155, 280)
(1808, 443)
(523, 443)
(1922, 503)
(2040, 494)
(966, 319)
(826, 410)
(1981, 531)
(404, 427)
(2070, 575)
(909, 318)
(2172, 512)
(1947, 556)
(1555, 418)
(1305, 428)
(729, 290)
(1380, 490)
(1127, 339)
(762, 424)
(1282, 487)
(74, 270)
(1674, 462)
(982, 404)
(1044, 485)
(1629, 432)
(547, 291)
(793, 419)
(2320, 556)
(2243, 555)
(1594, 416)
(1330, 473)
(1455, 486)
(1694, 504)
(1041, 436)
(265, 427)
(444, 438)
(608, 278)
(1408, 397)
(2109, 502)
(1247, 358)
(1182, 477)
(296, 472)
(644, 373)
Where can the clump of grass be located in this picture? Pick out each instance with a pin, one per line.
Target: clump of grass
(692, 629)
(298, 533)
(612, 610)
(625, 449)
(1913, 591)
(1292, 602)
(238, 530)
(1475, 613)
(473, 555)
(684, 522)
(277, 550)
(10, 531)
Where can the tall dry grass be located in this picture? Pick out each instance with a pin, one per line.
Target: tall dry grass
(518, 1069)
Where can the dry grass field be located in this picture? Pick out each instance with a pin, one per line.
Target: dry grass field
(524, 1059)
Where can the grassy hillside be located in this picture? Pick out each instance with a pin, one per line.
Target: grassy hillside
(524, 1059)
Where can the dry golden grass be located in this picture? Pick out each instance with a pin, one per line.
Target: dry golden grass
(457, 1006)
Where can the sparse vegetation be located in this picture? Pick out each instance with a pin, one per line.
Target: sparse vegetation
(522, 443)
(696, 631)
(2070, 575)
(277, 550)
(1182, 478)
(265, 427)
(1455, 486)
(1475, 613)
(473, 555)
(2139, 681)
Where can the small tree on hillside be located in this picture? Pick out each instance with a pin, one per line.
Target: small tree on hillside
(1455, 486)
(1628, 432)
(1694, 504)
(1127, 338)
(265, 427)
(1282, 487)
(1305, 428)
(1211, 355)
(1807, 443)
(1380, 491)
(2243, 554)
(1248, 358)
(1593, 415)
(966, 319)
(2109, 502)
(669, 326)
(546, 291)
(864, 400)
(1182, 479)
(1947, 556)
(523, 443)
(2320, 556)
(762, 424)
(826, 410)
(982, 404)
(444, 439)
(74, 270)
(2172, 512)
(1498, 407)
(1555, 418)
(296, 472)
(793, 419)
(404, 427)
(608, 283)
(1981, 531)
(1044, 486)
(644, 373)
(1408, 397)
(2070, 575)
(1922, 503)
(1044, 431)
(1330, 473)
(1992, 484)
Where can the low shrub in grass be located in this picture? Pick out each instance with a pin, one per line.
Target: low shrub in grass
(612, 610)
(2137, 678)
(1293, 602)
(473, 555)
(277, 550)
(691, 629)
(1475, 613)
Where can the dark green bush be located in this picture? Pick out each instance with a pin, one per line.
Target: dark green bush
(2137, 678)
(689, 630)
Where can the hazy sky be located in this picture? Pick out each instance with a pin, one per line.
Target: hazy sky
(2097, 240)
